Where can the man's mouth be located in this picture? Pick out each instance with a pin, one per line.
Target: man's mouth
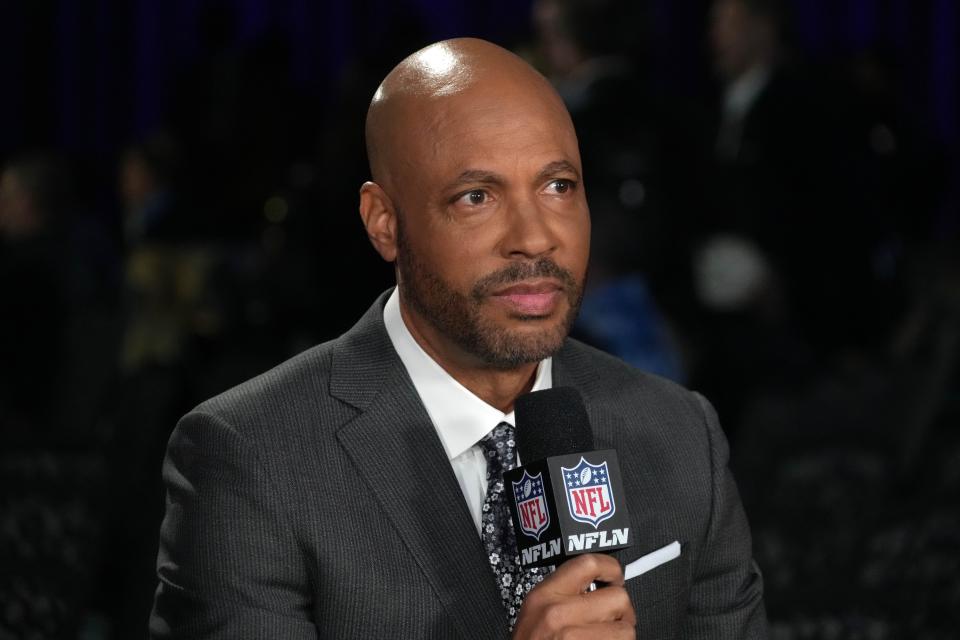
(533, 298)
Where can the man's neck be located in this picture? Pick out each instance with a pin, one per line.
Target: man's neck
(497, 387)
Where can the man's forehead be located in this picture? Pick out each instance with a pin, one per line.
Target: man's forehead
(463, 98)
(492, 111)
(493, 140)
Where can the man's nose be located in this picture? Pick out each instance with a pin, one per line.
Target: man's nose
(528, 233)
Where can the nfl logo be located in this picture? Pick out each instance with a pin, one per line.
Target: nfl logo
(589, 495)
(531, 505)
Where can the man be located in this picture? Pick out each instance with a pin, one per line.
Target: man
(340, 495)
(784, 269)
(34, 293)
(745, 38)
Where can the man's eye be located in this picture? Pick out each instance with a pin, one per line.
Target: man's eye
(475, 197)
(560, 186)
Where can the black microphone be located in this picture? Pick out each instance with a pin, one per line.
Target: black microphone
(567, 499)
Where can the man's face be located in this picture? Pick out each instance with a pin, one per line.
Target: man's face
(17, 213)
(494, 228)
(734, 38)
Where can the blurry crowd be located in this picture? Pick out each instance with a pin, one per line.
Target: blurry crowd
(785, 241)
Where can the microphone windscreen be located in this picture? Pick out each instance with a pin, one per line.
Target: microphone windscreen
(551, 422)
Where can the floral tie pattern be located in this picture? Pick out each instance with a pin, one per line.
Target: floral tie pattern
(496, 526)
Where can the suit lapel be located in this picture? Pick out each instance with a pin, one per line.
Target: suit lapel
(396, 450)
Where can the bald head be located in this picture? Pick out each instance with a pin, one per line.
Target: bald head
(477, 189)
(432, 83)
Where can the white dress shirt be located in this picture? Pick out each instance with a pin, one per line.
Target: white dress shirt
(738, 99)
(460, 418)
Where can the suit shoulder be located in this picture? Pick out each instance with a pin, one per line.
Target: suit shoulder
(646, 418)
(610, 381)
(289, 387)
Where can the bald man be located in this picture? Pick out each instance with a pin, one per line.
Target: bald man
(344, 493)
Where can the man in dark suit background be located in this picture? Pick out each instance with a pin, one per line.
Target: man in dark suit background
(342, 493)
(785, 254)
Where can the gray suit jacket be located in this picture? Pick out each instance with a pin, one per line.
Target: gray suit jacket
(316, 501)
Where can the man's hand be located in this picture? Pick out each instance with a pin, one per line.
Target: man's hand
(561, 606)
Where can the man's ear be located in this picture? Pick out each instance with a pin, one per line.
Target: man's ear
(380, 219)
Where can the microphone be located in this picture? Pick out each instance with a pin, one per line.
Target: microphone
(567, 499)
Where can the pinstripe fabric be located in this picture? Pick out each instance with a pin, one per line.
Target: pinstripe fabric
(315, 501)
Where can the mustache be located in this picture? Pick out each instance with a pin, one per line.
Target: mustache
(520, 271)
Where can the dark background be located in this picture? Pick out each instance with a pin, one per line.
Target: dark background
(183, 177)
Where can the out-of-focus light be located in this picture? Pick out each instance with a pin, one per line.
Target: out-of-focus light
(882, 140)
(275, 209)
(632, 193)
(729, 273)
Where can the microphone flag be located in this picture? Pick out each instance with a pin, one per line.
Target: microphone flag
(567, 505)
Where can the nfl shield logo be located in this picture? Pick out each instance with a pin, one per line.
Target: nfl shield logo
(531, 505)
(589, 495)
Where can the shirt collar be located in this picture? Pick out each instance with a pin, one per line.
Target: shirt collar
(743, 92)
(460, 417)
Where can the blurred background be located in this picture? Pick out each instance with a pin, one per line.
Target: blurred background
(774, 187)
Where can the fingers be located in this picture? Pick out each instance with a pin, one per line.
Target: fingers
(561, 606)
(610, 604)
(606, 631)
(577, 616)
(574, 577)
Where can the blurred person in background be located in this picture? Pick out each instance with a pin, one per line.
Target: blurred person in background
(34, 199)
(747, 48)
(166, 265)
(48, 470)
(751, 250)
(782, 261)
(152, 208)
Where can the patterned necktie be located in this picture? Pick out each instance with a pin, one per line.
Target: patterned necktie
(496, 526)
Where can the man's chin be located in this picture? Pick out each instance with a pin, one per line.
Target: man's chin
(511, 348)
